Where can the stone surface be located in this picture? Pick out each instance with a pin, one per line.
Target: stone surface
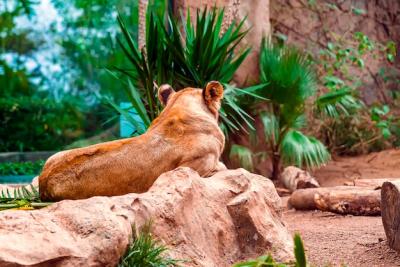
(216, 221)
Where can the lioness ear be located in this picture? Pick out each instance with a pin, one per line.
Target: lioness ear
(165, 91)
(213, 93)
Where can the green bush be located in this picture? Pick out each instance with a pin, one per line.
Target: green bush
(33, 123)
(21, 168)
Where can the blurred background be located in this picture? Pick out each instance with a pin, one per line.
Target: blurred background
(58, 87)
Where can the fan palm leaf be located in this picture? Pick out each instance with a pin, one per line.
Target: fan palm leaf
(303, 151)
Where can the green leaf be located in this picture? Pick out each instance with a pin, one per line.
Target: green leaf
(360, 62)
(300, 150)
(337, 102)
(358, 11)
(286, 72)
(243, 156)
(271, 127)
(386, 133)
(299, 252)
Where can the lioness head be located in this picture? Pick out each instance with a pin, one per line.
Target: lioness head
(209, 97)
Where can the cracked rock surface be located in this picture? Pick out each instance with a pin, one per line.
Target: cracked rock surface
(216, 221)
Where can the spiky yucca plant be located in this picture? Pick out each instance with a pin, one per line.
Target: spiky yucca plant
(184, 56)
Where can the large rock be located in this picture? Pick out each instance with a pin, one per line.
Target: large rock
(214, 221)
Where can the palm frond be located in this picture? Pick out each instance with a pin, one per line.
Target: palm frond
(337, 102)
(288, 74)
(243, 156)
(301, 150)
(271, 127)
(21, 197)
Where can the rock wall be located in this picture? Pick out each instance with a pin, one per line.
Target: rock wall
(310, 23)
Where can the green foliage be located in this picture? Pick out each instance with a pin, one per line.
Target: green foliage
(243, 155)
(25, 197)
(299, 252)
(342, 120)
(290, 83)
(268, 261)
(172, 56)
(33, 123)
(144, 251)
(299, 149)
(287, 72)
(21, 168)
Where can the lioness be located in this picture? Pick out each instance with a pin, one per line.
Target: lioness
(186, 133)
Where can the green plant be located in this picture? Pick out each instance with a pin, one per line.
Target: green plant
(171, 55)
(21, 168)
(144, 251)
(290, 83)
(32, 123)
(268, 261)
(24, 197)
(340, 118)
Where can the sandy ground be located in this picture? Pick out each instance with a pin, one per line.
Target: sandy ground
(336, 240)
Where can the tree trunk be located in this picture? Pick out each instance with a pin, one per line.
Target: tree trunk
(391, 213)
(276, 166)
(142, 23)
(339, 199)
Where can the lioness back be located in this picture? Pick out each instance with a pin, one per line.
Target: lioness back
(186, 133)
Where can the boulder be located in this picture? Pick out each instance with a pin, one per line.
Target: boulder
(215, 221)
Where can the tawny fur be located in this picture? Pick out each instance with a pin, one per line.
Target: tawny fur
(185, 134)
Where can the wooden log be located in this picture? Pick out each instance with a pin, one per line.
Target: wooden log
(339, 199)
(294, 178)
(373, 183)
(390, 194)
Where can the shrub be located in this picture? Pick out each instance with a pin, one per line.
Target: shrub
(21, 168)
(144, 251)
(349, 126)
(33, 123)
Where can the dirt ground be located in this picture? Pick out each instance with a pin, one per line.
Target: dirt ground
(336, 240)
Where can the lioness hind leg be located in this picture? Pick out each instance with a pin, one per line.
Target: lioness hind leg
(220, 167)
(205, 165)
